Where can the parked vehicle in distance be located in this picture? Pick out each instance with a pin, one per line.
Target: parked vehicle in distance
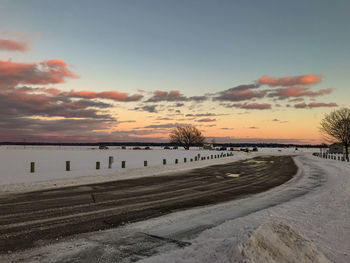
(166, 148)
(148, 148)
(136, 148)
(175, 148)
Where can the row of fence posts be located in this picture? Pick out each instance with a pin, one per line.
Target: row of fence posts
(145, 163)
(332, 156)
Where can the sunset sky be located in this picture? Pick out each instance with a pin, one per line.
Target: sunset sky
(240, 71)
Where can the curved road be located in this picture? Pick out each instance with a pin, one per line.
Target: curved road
(37, 217)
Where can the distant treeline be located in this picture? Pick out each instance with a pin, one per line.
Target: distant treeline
(265, 145)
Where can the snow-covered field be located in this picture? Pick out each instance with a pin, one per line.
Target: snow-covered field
(315, 203)
(50, 164)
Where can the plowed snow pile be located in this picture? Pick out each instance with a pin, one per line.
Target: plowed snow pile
(273, 242)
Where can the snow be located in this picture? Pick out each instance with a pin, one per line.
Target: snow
(315, 203)
(279, 243)
(50, 165)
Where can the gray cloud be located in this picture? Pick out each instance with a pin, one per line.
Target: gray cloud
(148, 108)
(240, 93)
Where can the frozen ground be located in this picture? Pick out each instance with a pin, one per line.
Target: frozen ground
(316, 203)
(50, 164)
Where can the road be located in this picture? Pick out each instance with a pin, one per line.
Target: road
(35, 218)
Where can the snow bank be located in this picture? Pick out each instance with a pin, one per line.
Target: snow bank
(279, 243)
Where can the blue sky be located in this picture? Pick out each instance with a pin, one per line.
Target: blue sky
(196, 47)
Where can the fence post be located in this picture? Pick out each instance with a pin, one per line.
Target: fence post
(110, 161)
(185, 160)
(32, 167)
(195, 158)
(145, 163)
(123, 164)
(164, 161)
(67, 165)
(98, 165)
(176, 161)
(191, 160)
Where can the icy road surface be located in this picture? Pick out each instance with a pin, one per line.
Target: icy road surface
(316, 203)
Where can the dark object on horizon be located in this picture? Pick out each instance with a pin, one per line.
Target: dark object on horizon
(255, 149)
(335, 126)
(186, 136)
(167, 148)
(123, 147)
(136, 148)
(148, 148)
(103, 147)
(175, 148)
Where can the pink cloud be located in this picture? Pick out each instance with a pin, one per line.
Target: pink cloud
(321, 104)
(298, 91)
(308, 79)
(300, 105)
(47, 72)
(12, 45)
(112, 95)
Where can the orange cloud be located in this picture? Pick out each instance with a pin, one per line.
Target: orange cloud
(308, 79)
(12, 45)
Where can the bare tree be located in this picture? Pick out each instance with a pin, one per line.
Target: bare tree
(335, 126)
(187, 136)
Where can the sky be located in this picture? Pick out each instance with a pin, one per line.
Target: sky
(240, 71)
